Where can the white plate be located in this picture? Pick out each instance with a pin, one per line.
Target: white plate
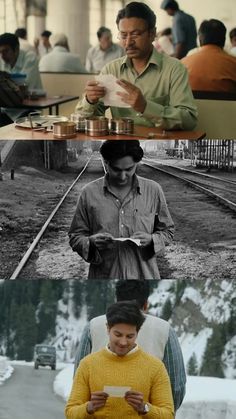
(39, 121)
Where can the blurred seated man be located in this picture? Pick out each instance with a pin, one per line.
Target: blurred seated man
(21, 33)
(14, 60)
(121, 366)
(102, 53)
(155, 86)
(60, 59)
(42, 45)
(211, 68)
(232, 36)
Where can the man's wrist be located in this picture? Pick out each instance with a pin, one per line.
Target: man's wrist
(145, 409)
(91, 103)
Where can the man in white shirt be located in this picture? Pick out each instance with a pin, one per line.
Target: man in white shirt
(104, 52)
(60, 59)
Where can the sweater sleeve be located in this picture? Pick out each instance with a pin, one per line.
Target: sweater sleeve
(79, 396)
(161, 400)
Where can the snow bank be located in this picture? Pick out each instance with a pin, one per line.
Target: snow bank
(6, 369)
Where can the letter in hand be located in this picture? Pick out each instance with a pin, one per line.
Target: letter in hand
(97, 400)
(133, 96)
(145, 238)
(101, 240)
(135, 399)
(94, 91)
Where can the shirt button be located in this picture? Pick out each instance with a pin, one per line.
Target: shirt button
(122, 212)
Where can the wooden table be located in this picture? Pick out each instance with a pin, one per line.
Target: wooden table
(10, 132)
(47, 103)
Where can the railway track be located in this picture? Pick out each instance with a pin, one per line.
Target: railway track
(205, 239)
(48, 227)
(220, 189)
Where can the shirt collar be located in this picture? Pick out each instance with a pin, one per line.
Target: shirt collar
(155, 59)
(135, 349)
(135, 187)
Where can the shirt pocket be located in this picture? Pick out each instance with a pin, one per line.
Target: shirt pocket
(141, 221)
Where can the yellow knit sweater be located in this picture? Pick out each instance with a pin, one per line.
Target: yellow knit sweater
(140, 371)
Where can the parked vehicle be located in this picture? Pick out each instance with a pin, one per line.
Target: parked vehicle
(44, 355)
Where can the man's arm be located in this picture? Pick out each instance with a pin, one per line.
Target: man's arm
(80, 232)
(173, 360)
(85, 346)
(164, 226)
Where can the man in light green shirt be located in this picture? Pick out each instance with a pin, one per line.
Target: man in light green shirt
(155, 85)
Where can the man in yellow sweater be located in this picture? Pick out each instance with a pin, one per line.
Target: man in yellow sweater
(121, 381)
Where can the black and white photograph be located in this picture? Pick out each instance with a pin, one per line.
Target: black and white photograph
(82, 218)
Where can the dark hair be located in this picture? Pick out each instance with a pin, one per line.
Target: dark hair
(171, 4)
(101, 31)
(46, 33)
(133, 289)
(127, 312)
(232, 33)
(9, 39)
(21, 33)
(112, 150)
(140, 10)
(166, 32)
(212, 31)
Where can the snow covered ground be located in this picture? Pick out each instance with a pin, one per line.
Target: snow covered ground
(6, 369)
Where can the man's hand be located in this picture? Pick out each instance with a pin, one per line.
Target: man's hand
(133, 97)
(145, 238)
(101, 240)
(94, 91)
(98, 399)
(135, 399)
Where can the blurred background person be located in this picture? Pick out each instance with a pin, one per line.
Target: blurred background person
(104, 52)
(42, 45)
(21, 33)
(15, 60)
(163, 42)
(232, 36)
(60, 59)
(184, 30)
(211, 68)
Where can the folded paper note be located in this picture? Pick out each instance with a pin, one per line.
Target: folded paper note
(116, 391)
(124, 239)
(111, 98)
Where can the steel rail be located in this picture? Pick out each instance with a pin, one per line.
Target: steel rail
(194, 172)
(28, 253)
(229, 204)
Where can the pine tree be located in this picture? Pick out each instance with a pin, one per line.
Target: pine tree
(99, 295)
(26, 332)
(166, 310)
(192, 367)
(212, 365)
(47, 311)
(78, 288)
